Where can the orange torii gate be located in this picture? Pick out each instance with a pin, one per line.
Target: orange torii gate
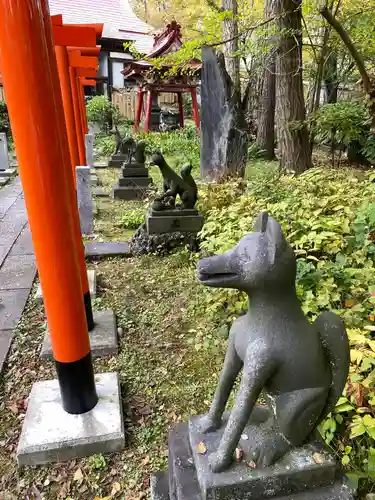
(76, 53)
(78, 61)
(54, 226)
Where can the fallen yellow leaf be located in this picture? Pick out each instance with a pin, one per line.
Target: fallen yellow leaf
(78, 475)
(318, 458)
(239, 455)
(116, 487)
(201, 448)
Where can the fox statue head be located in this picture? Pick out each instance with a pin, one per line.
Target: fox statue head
(261, 260)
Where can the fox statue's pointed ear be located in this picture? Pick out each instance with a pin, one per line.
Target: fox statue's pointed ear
(276, 236)
(271, 228)
(260, 225)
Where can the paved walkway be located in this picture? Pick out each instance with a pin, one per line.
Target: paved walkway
(17, 262)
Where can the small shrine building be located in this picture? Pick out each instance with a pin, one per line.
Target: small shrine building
(152, 81)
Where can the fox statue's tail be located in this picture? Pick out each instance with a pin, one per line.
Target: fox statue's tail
(336, 345)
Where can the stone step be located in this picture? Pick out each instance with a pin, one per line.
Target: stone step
(107, 249)
(135, 181)
(135, 172)
(129, 193)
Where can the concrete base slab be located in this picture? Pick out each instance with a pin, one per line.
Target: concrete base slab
(100, 165)
(91, 276)
(103, 338)
(4, 180)
(8, 172)
(49, 434)
(93, 180)
(107, 249)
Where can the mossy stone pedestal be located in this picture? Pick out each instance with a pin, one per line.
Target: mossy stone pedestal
(170, 221)
(309, 472)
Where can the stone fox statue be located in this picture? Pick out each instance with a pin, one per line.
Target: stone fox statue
(174, 185)
(300, 368)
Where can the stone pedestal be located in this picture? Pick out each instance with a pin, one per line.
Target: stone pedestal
(134, 182)
(117, 161)
(166, 230)
(309, 472)
(169, 221)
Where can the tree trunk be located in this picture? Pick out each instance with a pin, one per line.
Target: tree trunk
(293, 137)
(230, 49)
(267, 99)
(331, 78)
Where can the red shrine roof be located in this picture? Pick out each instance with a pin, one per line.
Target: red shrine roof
(167, 41)
(118, 17)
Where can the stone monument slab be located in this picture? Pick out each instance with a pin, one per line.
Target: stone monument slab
(4, 158)
(224, 136)
(89, 143)
(84, 197)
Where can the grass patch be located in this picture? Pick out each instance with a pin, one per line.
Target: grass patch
(166, 375)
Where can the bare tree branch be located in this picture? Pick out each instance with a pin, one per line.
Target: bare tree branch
(214, 6)
(341, 31)
(250, 29)
(310, 39)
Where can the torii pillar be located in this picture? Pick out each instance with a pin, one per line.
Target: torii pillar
(52, 431)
